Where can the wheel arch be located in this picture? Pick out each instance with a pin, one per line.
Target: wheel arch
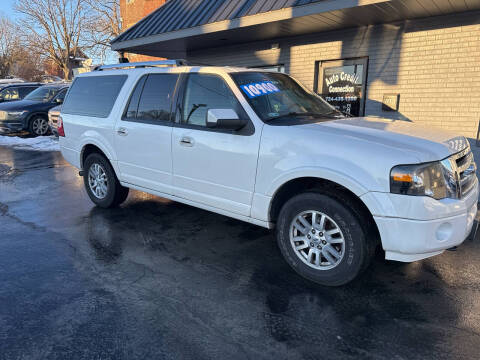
(328, 187)
(90, 148)
(32, 115)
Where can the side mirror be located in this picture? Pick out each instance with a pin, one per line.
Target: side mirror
(58, 101)
(224, 119)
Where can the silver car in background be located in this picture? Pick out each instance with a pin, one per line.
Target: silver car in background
(53, 115)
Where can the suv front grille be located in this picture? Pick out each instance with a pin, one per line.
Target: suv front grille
(465, 172)
(53, 117)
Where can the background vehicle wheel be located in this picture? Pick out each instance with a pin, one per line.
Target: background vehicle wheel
(38, 125)
(322, 239)
(101, 183)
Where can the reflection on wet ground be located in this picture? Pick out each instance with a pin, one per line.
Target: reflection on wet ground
(158, 279)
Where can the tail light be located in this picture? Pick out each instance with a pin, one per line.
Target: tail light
(60, 129)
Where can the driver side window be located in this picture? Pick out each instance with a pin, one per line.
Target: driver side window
(60, 96)
(204, 92)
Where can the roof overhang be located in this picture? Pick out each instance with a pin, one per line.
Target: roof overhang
(293, 21)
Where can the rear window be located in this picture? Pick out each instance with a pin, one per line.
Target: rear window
(93, 95)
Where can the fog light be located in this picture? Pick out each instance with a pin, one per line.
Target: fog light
(444, 232)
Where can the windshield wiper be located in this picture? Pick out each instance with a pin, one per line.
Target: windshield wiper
(336, 114)
(293, 113)
(316, 115)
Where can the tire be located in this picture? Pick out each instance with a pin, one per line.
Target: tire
(338, 262)
(38, 125)
(108, 193)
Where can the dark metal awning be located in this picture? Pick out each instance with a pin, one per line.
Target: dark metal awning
(180, 26)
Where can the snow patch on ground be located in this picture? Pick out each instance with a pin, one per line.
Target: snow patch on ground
(40, 143)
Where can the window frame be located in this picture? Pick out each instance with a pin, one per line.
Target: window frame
(247, 130)
(318, 76)
(172, 103)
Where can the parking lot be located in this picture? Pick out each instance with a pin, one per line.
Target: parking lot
(155, 279)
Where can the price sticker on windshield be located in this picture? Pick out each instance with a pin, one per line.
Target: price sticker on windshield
(258, 89)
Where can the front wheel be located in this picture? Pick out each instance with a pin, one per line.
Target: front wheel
(321, 239)
(38, 126)
(101, 183)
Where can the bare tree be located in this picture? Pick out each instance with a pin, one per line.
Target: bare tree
(9, 45)
(104, 25)
(28, 65)
(54, 28)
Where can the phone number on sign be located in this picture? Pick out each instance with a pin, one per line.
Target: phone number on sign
(341, 98)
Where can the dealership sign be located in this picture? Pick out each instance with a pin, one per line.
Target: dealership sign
(342, 89)
(341, 83)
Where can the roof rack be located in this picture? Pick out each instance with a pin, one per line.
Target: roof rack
(142, 64)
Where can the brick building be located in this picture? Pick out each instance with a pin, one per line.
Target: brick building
(401, 59)
(133, 11)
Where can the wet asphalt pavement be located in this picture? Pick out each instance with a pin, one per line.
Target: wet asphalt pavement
(155, 279)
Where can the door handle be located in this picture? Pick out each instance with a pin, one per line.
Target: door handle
(186, 141)
(122, 131)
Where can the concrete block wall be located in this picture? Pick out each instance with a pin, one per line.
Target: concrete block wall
(433, 63)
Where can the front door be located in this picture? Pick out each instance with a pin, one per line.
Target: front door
(213, 167)
(143, 135)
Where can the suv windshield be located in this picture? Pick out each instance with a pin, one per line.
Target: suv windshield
(43, 94)
(275, 95)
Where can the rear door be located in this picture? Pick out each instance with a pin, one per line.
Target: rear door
(143, 135)
(210, 166)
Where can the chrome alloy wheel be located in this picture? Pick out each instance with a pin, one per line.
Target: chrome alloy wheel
(97, 180)
(40, 126)
(317, 240)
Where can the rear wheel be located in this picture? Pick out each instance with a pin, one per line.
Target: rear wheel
(101, 183)
(322, 239)
(38, 125)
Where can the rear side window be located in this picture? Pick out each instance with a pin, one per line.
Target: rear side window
(10, 94)
(151, 99)
(93, 95)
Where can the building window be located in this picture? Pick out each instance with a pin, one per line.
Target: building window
(342, 83)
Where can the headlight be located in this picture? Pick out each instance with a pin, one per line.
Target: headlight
(12, 115)
(435, 179)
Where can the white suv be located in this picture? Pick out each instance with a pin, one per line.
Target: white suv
(259, 147)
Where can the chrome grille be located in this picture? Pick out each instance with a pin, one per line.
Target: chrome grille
(53, 117)
(464, 167)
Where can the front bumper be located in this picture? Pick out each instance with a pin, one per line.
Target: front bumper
(7, 126)
(413, 228)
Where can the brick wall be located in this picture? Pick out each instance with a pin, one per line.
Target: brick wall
(132, 11)
(433, 63)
